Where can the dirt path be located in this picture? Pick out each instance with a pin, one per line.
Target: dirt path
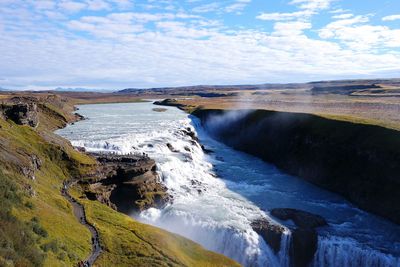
(80, 214)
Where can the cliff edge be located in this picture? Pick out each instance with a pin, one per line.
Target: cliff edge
(359, 161)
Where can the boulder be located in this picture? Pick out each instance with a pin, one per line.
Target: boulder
(302, 219)
(170, 147)
(22, 111)
(159, 109)
(269, 231)
(188, 131)
(304, 238)
(128, 183)
(303, 246)
(29, 170)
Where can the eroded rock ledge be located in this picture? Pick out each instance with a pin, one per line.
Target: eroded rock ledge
(127, 183)
(304, 242)
(21, 110)
(305, 237)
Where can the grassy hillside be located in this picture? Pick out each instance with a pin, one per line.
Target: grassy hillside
(36, 204)
(37, 226)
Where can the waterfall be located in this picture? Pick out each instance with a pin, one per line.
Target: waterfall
(345, 252)
(284, 252)
(217, 196)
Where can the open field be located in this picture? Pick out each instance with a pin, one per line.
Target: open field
(358, 101)
(364, 101)
(383, 111)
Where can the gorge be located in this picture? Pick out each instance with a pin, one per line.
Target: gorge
(218, 193)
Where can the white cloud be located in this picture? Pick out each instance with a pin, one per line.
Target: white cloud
(343, 16)
(140, 49)
(237, 6)
(338, 11)
(71, 6)
(391, 18)
(44, 4)
(211, 7)
(285, 16)
(98, 5)
(116, 25)
(355, 33)
(312, 4)
(291, 28)
(123, 4)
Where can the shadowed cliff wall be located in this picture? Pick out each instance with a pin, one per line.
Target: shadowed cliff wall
(361, 162)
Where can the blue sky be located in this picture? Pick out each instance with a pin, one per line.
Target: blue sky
(115, 44)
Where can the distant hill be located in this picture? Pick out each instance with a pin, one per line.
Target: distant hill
(79, 89)
(214, 87)
(316, 87)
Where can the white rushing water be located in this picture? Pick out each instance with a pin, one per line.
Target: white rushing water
(217, 196)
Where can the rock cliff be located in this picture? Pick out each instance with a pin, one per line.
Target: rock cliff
(359, 161)
(127, 183)
(22, 111)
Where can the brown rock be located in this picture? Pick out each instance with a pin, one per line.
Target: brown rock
(22, 111)
(270, 232)
(303, 247)
(129, 183)
(302, 219)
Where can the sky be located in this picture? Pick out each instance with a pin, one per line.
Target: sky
(116, 44)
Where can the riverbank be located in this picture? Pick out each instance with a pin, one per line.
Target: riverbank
(35, 163)
(226, 214)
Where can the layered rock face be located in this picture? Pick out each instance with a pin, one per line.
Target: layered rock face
(359, 161)
(173, 103)
(304, 238)
(22, 111)
(304, 241)
(128, 183)
(271, 232)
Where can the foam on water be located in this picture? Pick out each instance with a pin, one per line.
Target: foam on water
(217, 212)
(346, 252)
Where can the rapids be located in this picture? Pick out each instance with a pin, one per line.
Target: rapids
(216, 196)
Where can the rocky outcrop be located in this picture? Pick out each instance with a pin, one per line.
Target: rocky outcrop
(359, 161)
(304, 238)
(22, 111)
(171, 102)
(128, 183)
(304, 241)
(271, 232)
(159, 109)
(171, 147)
(302, 219)
(34, 164)
(303, 246)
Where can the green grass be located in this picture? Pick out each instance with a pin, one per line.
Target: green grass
(17, 238)
(52, 212)
(130, 243)
(37, 225)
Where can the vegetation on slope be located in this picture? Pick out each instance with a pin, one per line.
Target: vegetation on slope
(130, 243)
(38, 204)
(37, 225)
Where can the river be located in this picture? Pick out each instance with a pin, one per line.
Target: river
(217, 195)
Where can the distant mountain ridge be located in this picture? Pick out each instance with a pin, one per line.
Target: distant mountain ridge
(80, 89)
(309, 85)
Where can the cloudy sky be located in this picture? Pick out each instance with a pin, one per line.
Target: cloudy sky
(114, 44)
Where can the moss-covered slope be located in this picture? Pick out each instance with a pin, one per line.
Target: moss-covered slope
(37, 225)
